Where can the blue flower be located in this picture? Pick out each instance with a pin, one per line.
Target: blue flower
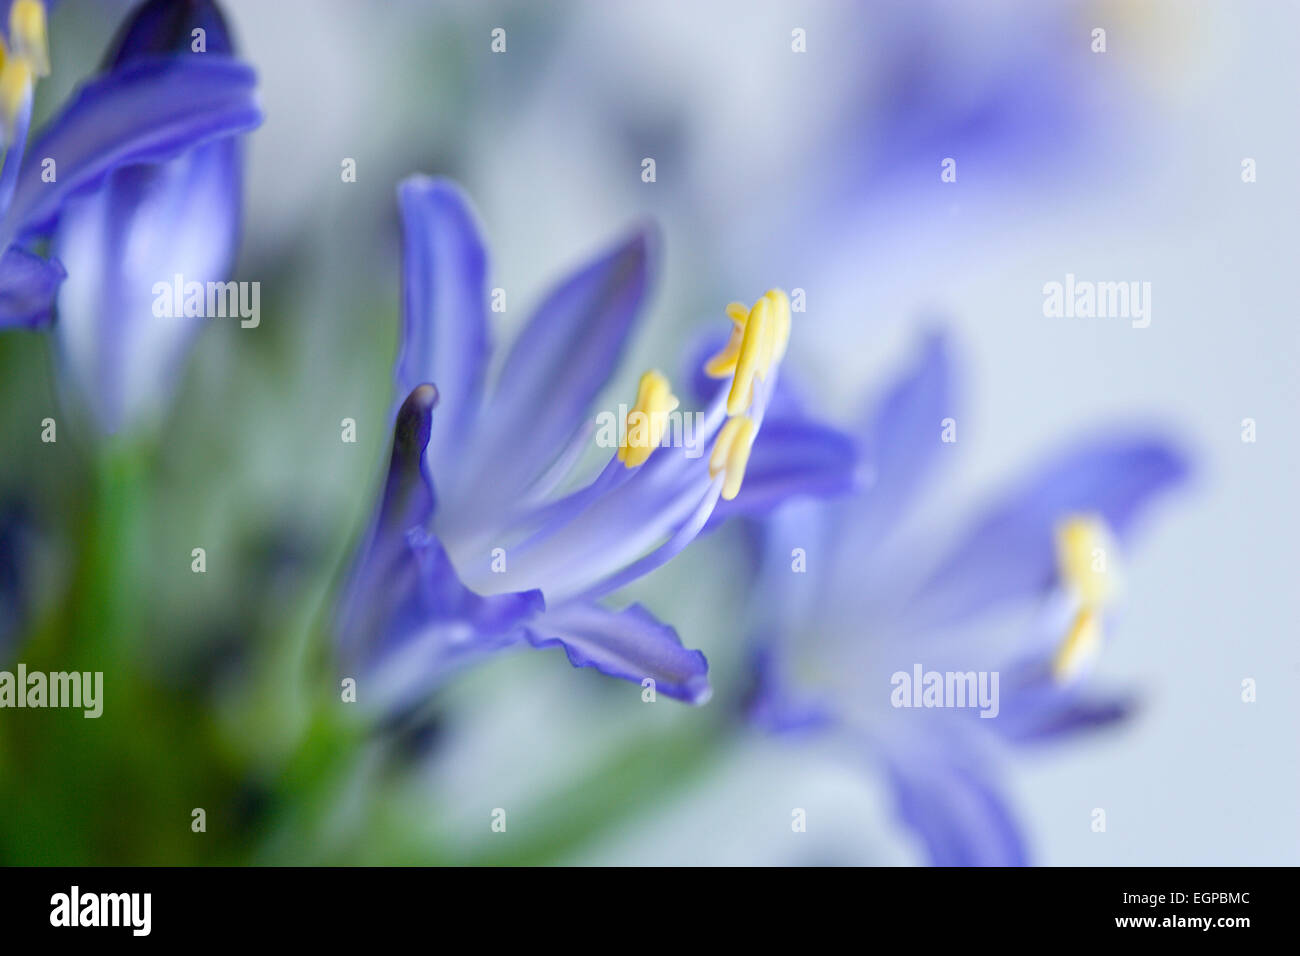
(511, 550)
(1022, 597)
(135, 180)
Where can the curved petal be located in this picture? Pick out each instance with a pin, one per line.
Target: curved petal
(405, 619)
(1049, 718)
(383, 567)
(148, 112)
(122, 244)
(1008, 553)
(433, 625)
(958, 815)
(902, 438)
(1038, 706)
(28, 285)
(630, 644)
(444, 326)
(564, 356)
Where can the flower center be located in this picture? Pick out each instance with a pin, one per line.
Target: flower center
(759, 337)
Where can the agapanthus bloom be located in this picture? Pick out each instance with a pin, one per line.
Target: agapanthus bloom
(925, 665)
(513, 550)
(135, 180)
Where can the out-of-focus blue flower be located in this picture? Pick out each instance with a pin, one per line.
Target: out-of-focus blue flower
(15, 554)
(501, 556)
(1024, 592)
(135, 181)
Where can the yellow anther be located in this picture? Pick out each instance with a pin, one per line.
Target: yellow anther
(15, 91)
(1086, 559)
(647, 420)
(1079, 648)
(781, 322)
(754, 358)
(772, 342)
(724, 363)
(27, 35)
(722, 446)
(731, 453)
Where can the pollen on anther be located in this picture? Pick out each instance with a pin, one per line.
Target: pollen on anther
(647, 420)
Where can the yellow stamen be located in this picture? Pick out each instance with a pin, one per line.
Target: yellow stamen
(758, 339)
(1079, 648)
(755, 356)
(724, 363)
(647, 420)
(15, 91)
(772, 344)
(731, 453)
(1086, 563)
(1085, 558)
(27, 35)
(781, 324)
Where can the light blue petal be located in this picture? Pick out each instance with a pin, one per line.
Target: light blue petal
(148, 112)
(146, 224)
(444, 325)
(1037, 707)
(1051, 718)
(902, 440)
(630, 644)
(564, 356)
(959, 816)
(1009, 553)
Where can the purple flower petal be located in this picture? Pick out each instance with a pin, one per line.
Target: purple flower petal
(564, 356)
(405, 619)
(1009, 552)
(384, 570)
(902, 439)
(959, 816)
(148, 112)
(1043, 718)
(630, 644)
(166, 27)
(444, 326)
(144, 225)
(28, 285)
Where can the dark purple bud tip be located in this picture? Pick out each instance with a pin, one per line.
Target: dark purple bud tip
(411, 431)
(171, 28)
